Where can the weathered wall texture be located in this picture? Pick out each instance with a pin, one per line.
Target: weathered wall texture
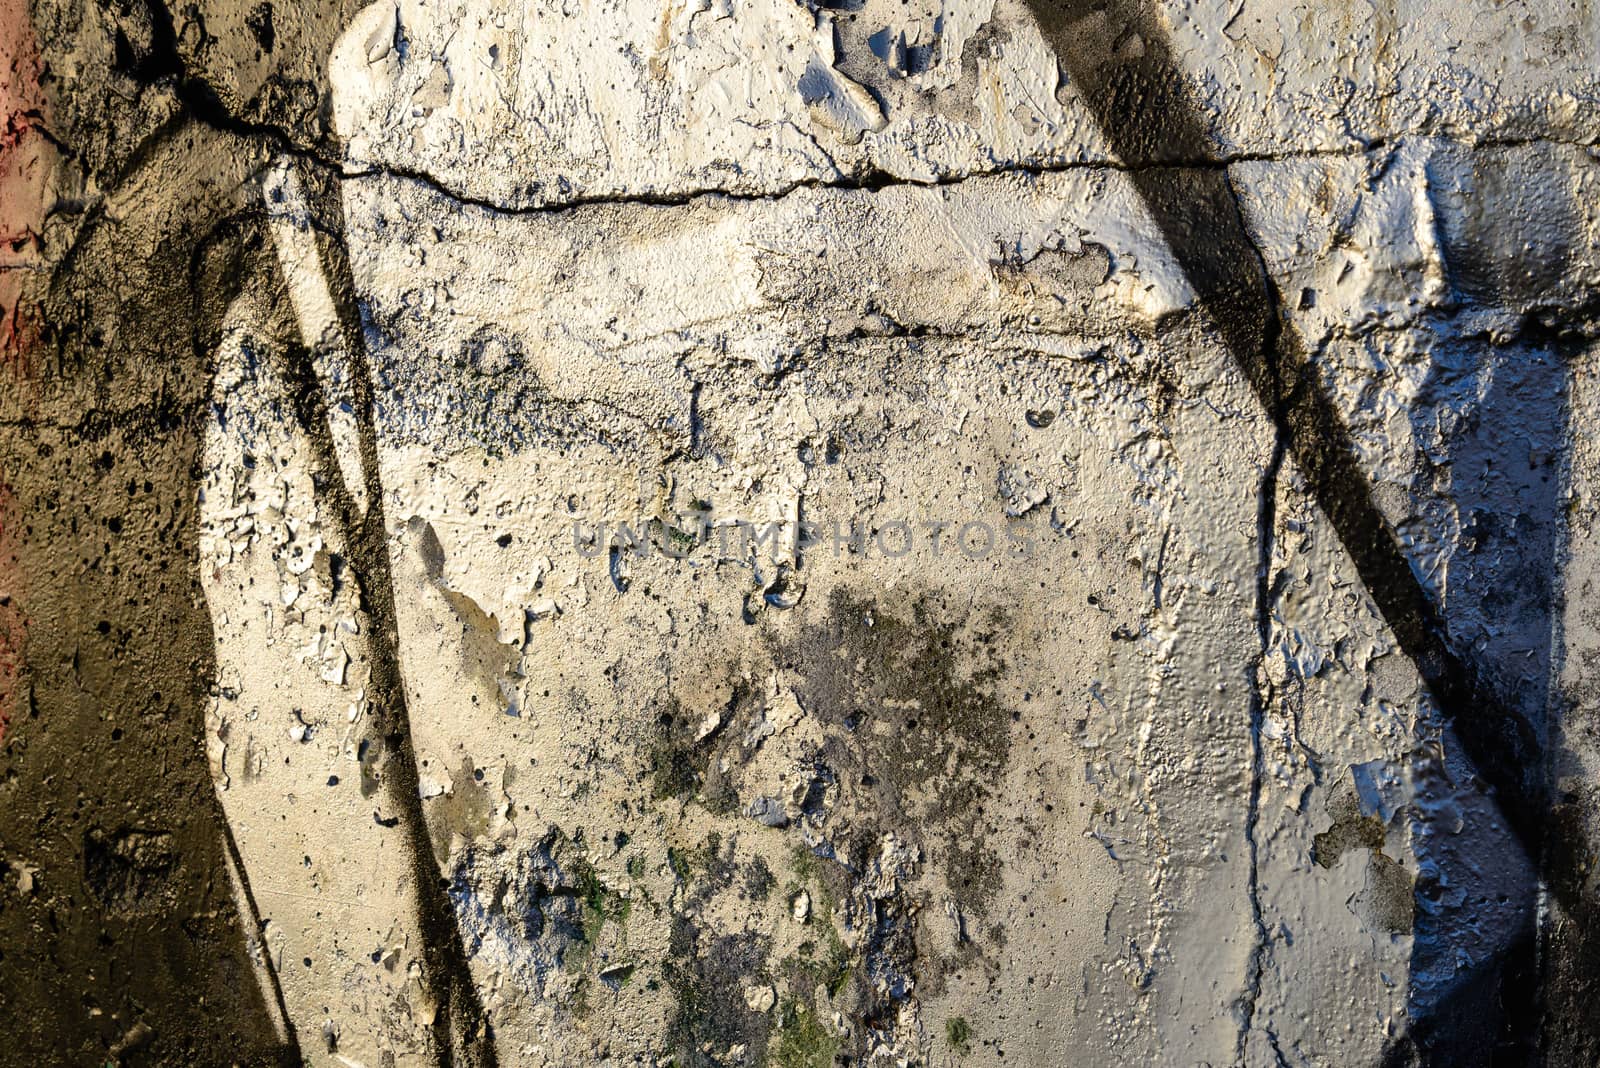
(750, 532)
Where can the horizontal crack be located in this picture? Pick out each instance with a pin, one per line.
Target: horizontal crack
(204, 106)
(870, 181)
(877, 179)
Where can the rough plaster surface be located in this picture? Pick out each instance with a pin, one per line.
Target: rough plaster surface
(391, 674)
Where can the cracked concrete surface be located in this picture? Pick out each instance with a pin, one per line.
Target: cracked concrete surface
(757, 533)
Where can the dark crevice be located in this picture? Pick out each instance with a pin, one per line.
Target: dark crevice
(1259, 699)
(867, 179)
(164, 65)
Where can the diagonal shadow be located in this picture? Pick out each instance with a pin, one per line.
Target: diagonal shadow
(462, 1032)
(1135, 95)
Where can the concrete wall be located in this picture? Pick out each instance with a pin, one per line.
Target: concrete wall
(755, 533)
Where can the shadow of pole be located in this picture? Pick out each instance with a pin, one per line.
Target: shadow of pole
(1136, 97)
(461, 1030)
